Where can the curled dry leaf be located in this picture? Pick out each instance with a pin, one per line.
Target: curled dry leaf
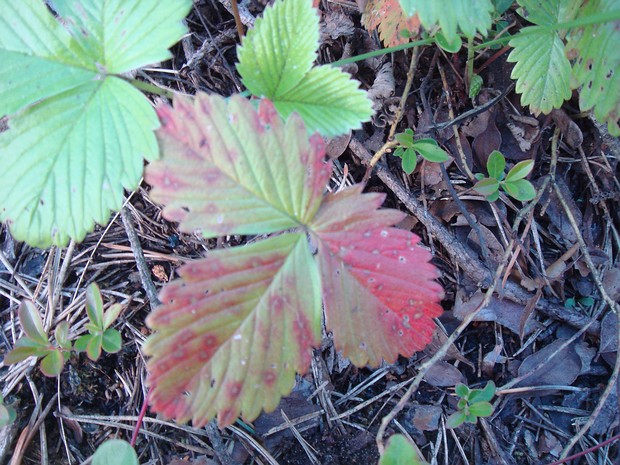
(235, 328)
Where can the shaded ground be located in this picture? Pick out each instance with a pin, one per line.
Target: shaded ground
(546, 337)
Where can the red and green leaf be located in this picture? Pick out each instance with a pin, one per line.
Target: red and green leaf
(233, 331)
(394, 26)
(235, 327)
(229, 169)
(378, 286)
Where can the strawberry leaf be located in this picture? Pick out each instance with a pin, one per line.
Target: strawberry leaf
(82, 132)
(234, 330)
(229, 169)
(452, 14)
(275, 61)
(390, 20)
(375, 304)
(597, 67)
(236, 326)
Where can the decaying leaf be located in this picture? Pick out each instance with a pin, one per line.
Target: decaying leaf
(235, 328)
(391, 21)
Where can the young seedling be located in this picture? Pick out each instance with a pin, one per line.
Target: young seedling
(473, 403)
(35, 342)
(100, 335)
(7, 413)
(409, 149)
(514, 183)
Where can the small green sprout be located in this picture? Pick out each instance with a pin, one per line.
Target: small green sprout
(35, 342)
(100, 335)
(409, 149)
(473, 403)
(514, 183)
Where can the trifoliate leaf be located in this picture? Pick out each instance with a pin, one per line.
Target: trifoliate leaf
(233, 330)
(597, 69)
(280, 49)
(376, 305)
(275, 61)
(399, 451)
(468, 16)
(390, 20)
(229, 169)
(69, 155)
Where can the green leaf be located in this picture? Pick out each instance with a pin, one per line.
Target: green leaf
(115, 452)
(542, 70)
(430, 151)
(93, 348)
(493, 197)
(31, 323)
(232, 170)
(399, 451)
(280, 49)
(475, 85)
(53, 363)
(399, 152)
(455, 420)
(462, 390)
(487, 187)
(521, 189)
(81, 343)
(94, 305)
(328, 100)
(469, 17)
(111, 341)
(596, 69)
(111, 314)
(69, 155)
(410, 161)
(496, 164)
(481, 409)
(62, 335)
(405, 139)
(449, 46)
(112, 36)
(520, 170)
(24, 348)
(275, 61)
(483, 395)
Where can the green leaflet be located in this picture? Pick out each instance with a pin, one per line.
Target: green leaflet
(69, 155)
(543, 70)
(597, 69)
(275, 61)
(115, 451)
(400, 451)
(452, 15)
